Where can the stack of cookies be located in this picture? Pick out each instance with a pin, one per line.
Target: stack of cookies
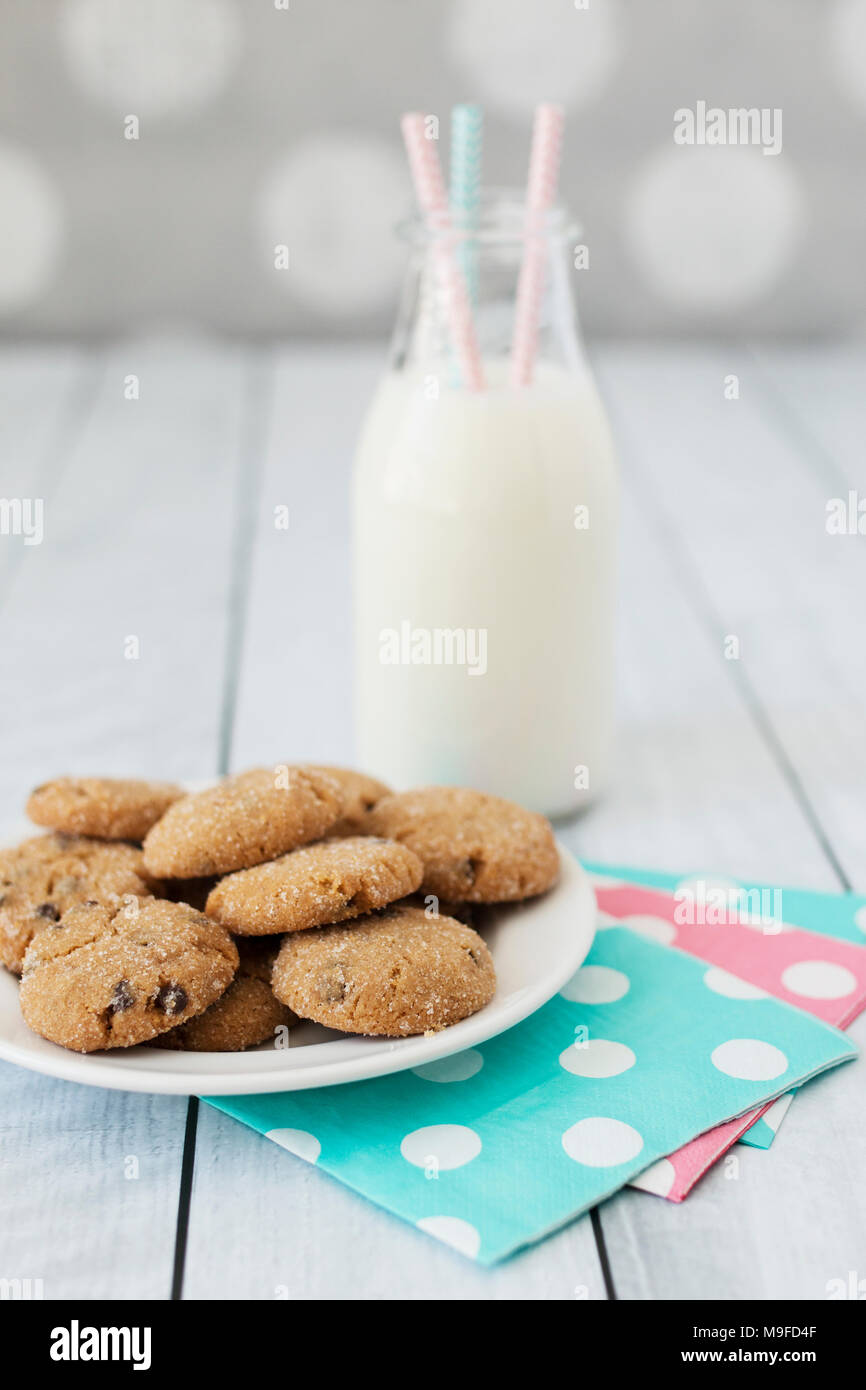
(214, 921)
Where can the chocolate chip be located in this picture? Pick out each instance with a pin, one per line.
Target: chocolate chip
(122, 998)
(171, 999)
(90, 902)
(333, 988)
(48, 911)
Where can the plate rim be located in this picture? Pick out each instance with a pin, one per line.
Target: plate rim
(106, 1070)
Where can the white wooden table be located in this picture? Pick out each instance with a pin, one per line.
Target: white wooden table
(159, 525)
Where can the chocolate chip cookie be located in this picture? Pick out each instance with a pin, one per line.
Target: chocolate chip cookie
(391, 975)
(248, 1013)
(43, 877)
(114, 976)
(243, 820)
(111, 808)
(360, 795)
(474, 847)
(332, 881)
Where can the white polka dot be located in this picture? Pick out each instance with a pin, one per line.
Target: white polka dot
(714, 227)
(604, 883)
(721, 982)
(848, 48)
(297, 1141)
(600, 1142)
(457, 1068)
(860, 919)
(441, 1146)
(658, 1178)
(514, 52)
(30, 228)
(334, 203)
(655, 928)
(604, 921)
(702, 888)
(455, 1232)
(150, 60)
(755, 922)
(598, 1057)
(749, 1059)
(819, 979)
(596, 984)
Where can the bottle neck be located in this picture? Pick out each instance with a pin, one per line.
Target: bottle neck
(488, 259)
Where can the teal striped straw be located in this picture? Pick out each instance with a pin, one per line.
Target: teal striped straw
(467, 141)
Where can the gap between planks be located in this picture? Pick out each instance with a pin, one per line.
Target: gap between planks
(258, 405)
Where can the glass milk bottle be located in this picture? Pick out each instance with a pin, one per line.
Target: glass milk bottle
(485, 527)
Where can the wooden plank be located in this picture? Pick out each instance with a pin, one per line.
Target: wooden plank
(44, 396)
(819, 396)
(693, 772)
(285, 1229)
(736, 512)
(141, 528)
(89, 1195)
(741, 505)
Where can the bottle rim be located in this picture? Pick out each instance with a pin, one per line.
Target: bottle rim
(501, 220)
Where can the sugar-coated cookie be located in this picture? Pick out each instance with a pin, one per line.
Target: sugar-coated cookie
(115, 976)
(243, 820)
(331, 881)
(247, 1014)
(112, 808)
(360, 795)
(474, 847)
(43, 877)
(390, 975)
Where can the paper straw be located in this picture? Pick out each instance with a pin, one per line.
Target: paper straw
(430, 192)
(540, 193)
(467, 133)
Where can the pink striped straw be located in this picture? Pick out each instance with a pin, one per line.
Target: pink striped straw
(433, 201)
(540, 194)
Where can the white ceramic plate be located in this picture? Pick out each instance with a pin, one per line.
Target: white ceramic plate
(536, 947)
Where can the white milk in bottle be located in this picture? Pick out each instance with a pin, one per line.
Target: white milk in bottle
(485, 528)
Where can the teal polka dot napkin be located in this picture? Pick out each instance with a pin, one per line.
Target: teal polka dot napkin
(496, 1147)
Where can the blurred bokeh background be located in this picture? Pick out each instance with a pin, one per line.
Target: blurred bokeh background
(154, 152)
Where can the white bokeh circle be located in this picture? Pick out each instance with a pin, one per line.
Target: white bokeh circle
(749, 1059)
(658, 1178)
(453, 1231)
(442, 1146)
(595, 984)
(297, 1141)
(514, 51)
(819, 979)
(731, 986)
(31, 228)
(848, 48)
(334, 202)
(152, 60)
(714, 228)
(602, 1142)
(653, 928)
(599, 1057)
(460, 1067)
